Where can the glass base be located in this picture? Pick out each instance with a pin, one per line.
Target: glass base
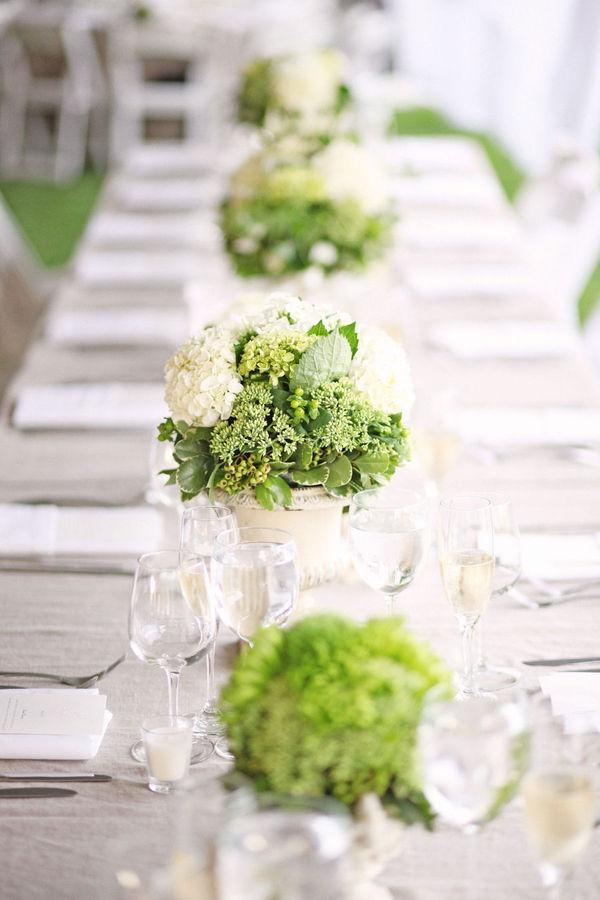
(222, 750)
(496, 678)
(202, 749)
(208, 723)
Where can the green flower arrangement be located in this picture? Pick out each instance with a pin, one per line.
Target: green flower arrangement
(305, 91)
(284, 396)
(330, 707)
(289, 209)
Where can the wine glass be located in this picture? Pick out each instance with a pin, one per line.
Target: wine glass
(437, 439)
(473, 757)
(466, 554)
(172, 623)
(200, 525)
(507, 570)
(389, 536)
(559, 802)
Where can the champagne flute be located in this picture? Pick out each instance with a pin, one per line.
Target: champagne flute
(466, 554)
(507, 570)
(255, 579)
(560, 810)
(389, 536)
(200, 526)
(172, 623)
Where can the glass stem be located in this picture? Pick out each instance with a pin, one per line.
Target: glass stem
(210, 705)
(390, 604)
(479, 648)
(173, 676)
(468, 630)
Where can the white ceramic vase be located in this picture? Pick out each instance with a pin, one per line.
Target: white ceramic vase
(315, 522)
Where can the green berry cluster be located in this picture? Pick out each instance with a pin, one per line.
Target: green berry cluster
(301, 408)
(246, 472)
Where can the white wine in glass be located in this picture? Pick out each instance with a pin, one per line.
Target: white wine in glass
(467, 577)
(560, 810)
(466, 555)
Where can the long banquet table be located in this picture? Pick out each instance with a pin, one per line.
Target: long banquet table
(61, 850)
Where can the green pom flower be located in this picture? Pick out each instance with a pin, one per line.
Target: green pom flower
(331, 707)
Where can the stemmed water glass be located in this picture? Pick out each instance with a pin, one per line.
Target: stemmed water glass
(389, 536)
(466, 554)
(172, 623)
(507, 570)
(255, 579)
(200, 526)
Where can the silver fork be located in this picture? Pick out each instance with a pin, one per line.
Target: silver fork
(76, 681)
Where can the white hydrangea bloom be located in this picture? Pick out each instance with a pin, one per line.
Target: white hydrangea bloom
(308, 83)
(351, 173)
(381, 373)
(201, 379)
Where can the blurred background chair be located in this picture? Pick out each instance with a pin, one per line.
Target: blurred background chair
(53, 93)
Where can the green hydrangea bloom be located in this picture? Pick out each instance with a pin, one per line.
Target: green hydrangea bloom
(331, 707)
(274, 354)
(289, 182)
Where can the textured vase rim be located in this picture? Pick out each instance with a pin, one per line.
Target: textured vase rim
(303, 497)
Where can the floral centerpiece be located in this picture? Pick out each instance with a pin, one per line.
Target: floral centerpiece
(286, 399)
(288, 210)
(305, 91)
(329, 707)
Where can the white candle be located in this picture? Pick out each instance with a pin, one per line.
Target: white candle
(168, 751)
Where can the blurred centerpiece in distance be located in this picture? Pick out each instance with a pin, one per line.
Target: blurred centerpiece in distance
(283, 411)
(304, 92)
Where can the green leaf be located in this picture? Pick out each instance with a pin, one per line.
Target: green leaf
(340, 473)
(172, 473)
(312, 476)
(349, 332)
(280, 490)
(188, 449)
(328, 358)
(304, 456)
(192, 476)
(372, 463)
(215, 476)
(321, 420)
(319, 329)
(264, 496)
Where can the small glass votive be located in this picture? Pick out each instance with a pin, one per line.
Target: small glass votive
(168, 744)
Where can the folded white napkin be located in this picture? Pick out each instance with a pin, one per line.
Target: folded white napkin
(447, 281)
(52, 530)
(440, 190)
(425, 232)
(434, 154)
(111, 229)
(556, 557)
(166, 194)
(120, 326)
(503, 340)
(107, 405)
(54, 746)
(97, 268)
(503, 426)
(575, 698)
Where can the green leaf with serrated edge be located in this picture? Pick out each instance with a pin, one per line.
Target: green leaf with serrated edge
(192, 476)
(280, 490)
(349, 332)
(264, 496)
(318, 329)
(328, 358)
(340, 473)
(372, 463)
(172, 473)
(312, 476)
(215, 476)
